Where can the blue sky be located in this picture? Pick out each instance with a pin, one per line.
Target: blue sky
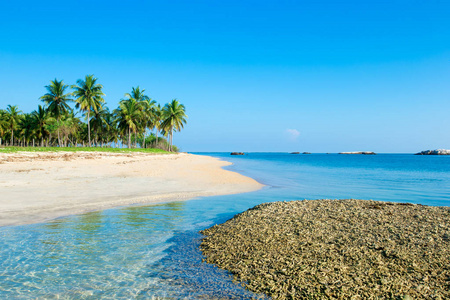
(318, 76)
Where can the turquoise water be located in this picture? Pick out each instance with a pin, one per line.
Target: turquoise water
(146, 252)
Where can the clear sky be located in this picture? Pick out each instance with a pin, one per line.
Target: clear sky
(317, 76)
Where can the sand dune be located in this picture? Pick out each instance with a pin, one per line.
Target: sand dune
(35, 187)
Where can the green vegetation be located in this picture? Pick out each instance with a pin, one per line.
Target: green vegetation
(88, 95)
(56, 125)
(79, 149)
(174, 118)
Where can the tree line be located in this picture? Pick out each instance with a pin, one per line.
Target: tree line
(56, 123)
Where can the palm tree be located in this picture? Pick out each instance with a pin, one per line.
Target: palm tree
(27, 129)
(88, 95)
(3, 124)
(128, 115)
(157, 119)
(78, 130)
(99, 122)
(145, 105)
(12, 119)
(68, 125)
(56, 99)
(40, 119)
(148, 116)
(174, 115)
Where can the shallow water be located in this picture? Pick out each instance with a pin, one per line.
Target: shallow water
(152, 251)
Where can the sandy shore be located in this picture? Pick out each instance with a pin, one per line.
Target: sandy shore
(35, 187)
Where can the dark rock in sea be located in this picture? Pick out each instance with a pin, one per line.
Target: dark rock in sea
(306, 152)
(359, 152)
(434, 152)
(295, 153)
(237, 153)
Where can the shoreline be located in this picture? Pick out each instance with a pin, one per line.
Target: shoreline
(38, 187)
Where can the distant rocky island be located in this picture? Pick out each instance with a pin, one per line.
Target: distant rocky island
(359, 152)
(237, 153)
(434, 152)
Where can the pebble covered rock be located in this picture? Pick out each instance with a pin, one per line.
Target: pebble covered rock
(434, 152)
(336, 249)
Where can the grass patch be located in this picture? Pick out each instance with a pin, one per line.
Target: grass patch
(81, 149)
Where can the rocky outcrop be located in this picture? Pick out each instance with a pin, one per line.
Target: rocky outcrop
(359, 152)
(434, 152)
(237, 153)
(336, 249)
(306, 153)
(295, 153)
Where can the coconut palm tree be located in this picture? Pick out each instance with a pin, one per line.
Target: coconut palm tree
(157, 119)
(78, 131)
(99, 122)
(12, 119)
(174, 116)
(88, 95)
(40, 119)
(137, 94)
(68, 125)
(128, 116)
(57, 100)
(145, 104)
(27, 129)
(148, 116)
(3, 125)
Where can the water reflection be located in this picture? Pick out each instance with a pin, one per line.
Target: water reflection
(89, 223)
(55, 225)
(149, 215)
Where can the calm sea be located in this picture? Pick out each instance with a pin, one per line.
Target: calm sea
(147, 252)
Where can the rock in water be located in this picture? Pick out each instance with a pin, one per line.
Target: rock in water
(434, 152)
(359, 152)
(237, 153)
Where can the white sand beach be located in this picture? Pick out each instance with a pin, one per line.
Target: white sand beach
(35, 187)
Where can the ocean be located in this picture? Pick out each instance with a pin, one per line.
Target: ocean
(152, 252)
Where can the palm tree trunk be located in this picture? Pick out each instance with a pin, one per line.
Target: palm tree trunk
(59, 139)
(12, 137)
(156, 138)
(171, 138)
(89, 128)
(129, 137)
(143, 142)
